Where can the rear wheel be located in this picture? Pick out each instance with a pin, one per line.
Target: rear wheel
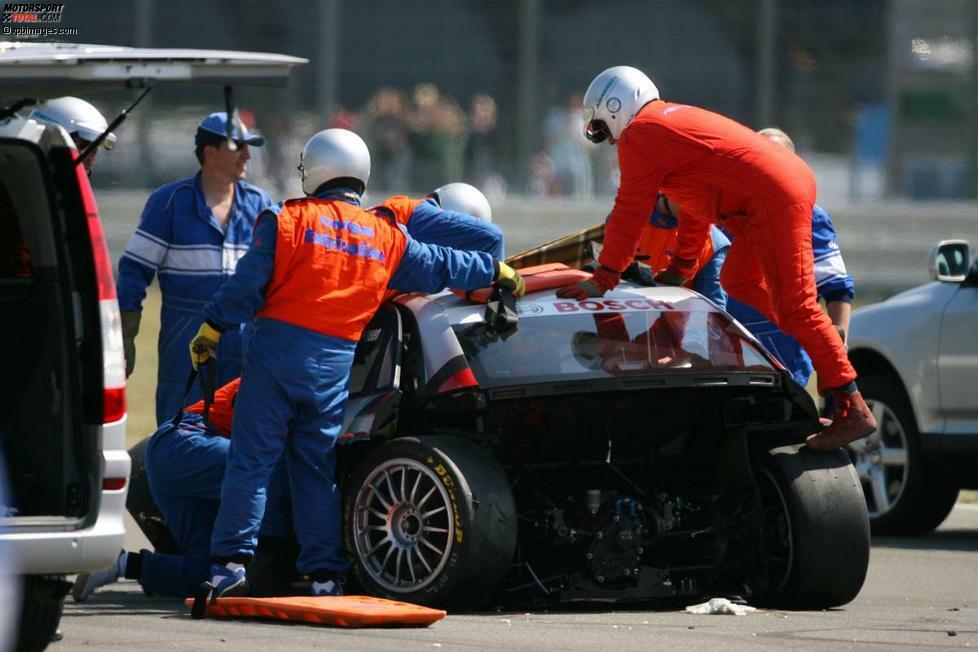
(816, 532)
(430, 520)
(905, 493)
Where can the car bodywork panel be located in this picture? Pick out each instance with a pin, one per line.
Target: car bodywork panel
(905, 331)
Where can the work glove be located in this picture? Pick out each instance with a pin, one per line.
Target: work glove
(639, 273)
(130, 329)
(600, 282)
(508, 278)
(203, 346)
(677, 273)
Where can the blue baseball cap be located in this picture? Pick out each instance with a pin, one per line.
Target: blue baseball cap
(215, 126)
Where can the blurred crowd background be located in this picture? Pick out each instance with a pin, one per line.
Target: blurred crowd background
(880, 95)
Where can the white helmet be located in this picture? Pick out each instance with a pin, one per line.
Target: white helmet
(333, 154)
(613, 99)
(463, 198)
(77, 116)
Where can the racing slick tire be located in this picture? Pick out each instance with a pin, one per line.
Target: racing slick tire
(430, 520)
(816, 528)
(905, 492)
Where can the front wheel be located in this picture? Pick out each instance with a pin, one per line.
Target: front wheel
(430, 520)
(816, 530)
(905, 492)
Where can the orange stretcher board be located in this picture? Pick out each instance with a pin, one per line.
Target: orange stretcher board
(350, 611)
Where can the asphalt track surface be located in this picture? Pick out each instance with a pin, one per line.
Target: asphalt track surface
(921, 593)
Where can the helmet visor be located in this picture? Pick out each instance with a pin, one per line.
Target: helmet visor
(597, 131)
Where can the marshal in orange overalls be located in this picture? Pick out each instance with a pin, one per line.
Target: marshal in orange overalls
(712, 167)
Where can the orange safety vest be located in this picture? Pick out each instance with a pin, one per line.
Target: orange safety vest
(333, 261)
(398, 208)
(222, 409)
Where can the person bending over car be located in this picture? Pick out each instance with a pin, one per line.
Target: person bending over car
(317, 270)
(192, 233)
(832, 281)
(185, 465)
(658, 240)
(455, 215)
(763, 194)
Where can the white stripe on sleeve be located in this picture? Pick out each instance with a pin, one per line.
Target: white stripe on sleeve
(197, 261)
(830, 267)
(146, 248)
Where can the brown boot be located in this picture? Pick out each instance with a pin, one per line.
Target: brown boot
(851, 419)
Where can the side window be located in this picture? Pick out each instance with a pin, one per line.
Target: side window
(15, 254)
(375, 363)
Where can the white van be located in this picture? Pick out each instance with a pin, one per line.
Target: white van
(62, 393)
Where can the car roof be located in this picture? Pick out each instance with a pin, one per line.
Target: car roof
(546, 302)
(43, 70)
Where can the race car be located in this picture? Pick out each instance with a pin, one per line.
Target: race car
(633, 447)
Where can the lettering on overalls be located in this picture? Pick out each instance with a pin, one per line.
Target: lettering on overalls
(362, 249)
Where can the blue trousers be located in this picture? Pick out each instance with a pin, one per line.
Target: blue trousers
(707, 280)
(781, 345)
(180, 320)
(292, 396)
(185, 466)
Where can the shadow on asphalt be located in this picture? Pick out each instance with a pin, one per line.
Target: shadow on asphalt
(965, 540)
(107, 602)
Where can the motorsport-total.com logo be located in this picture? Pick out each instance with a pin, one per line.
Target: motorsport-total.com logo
(34, 19)
(33, 12)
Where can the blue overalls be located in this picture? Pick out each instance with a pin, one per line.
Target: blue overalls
(185, 465)
(834, 283)
(179, 239)
(431, 224)
(293, 392)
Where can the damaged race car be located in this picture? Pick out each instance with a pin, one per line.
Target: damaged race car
(634, 447)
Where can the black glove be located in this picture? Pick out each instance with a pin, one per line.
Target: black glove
(639, 273)
(130, 329)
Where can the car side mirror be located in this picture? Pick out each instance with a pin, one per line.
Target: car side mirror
(950, 260)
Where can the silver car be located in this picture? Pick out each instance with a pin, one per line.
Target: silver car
(917, 358)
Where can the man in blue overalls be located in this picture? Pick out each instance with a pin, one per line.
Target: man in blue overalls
(192, 233)
(316, 273)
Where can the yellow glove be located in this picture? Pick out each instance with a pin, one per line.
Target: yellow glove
(509, 278)
(204, 345)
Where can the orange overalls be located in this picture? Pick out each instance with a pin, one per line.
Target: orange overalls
(657, 245)
(717, 169)
(219, 416)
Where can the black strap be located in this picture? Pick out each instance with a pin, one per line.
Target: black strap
(186, 392)
(501, 316)
(208, 385)
(208, 380)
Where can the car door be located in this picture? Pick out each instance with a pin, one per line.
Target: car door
(958, 359)
(375, 375)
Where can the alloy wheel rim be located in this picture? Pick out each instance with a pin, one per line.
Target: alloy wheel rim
(403, 525)
(881, 460)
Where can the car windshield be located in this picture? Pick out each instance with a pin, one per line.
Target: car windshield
(563, 347)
